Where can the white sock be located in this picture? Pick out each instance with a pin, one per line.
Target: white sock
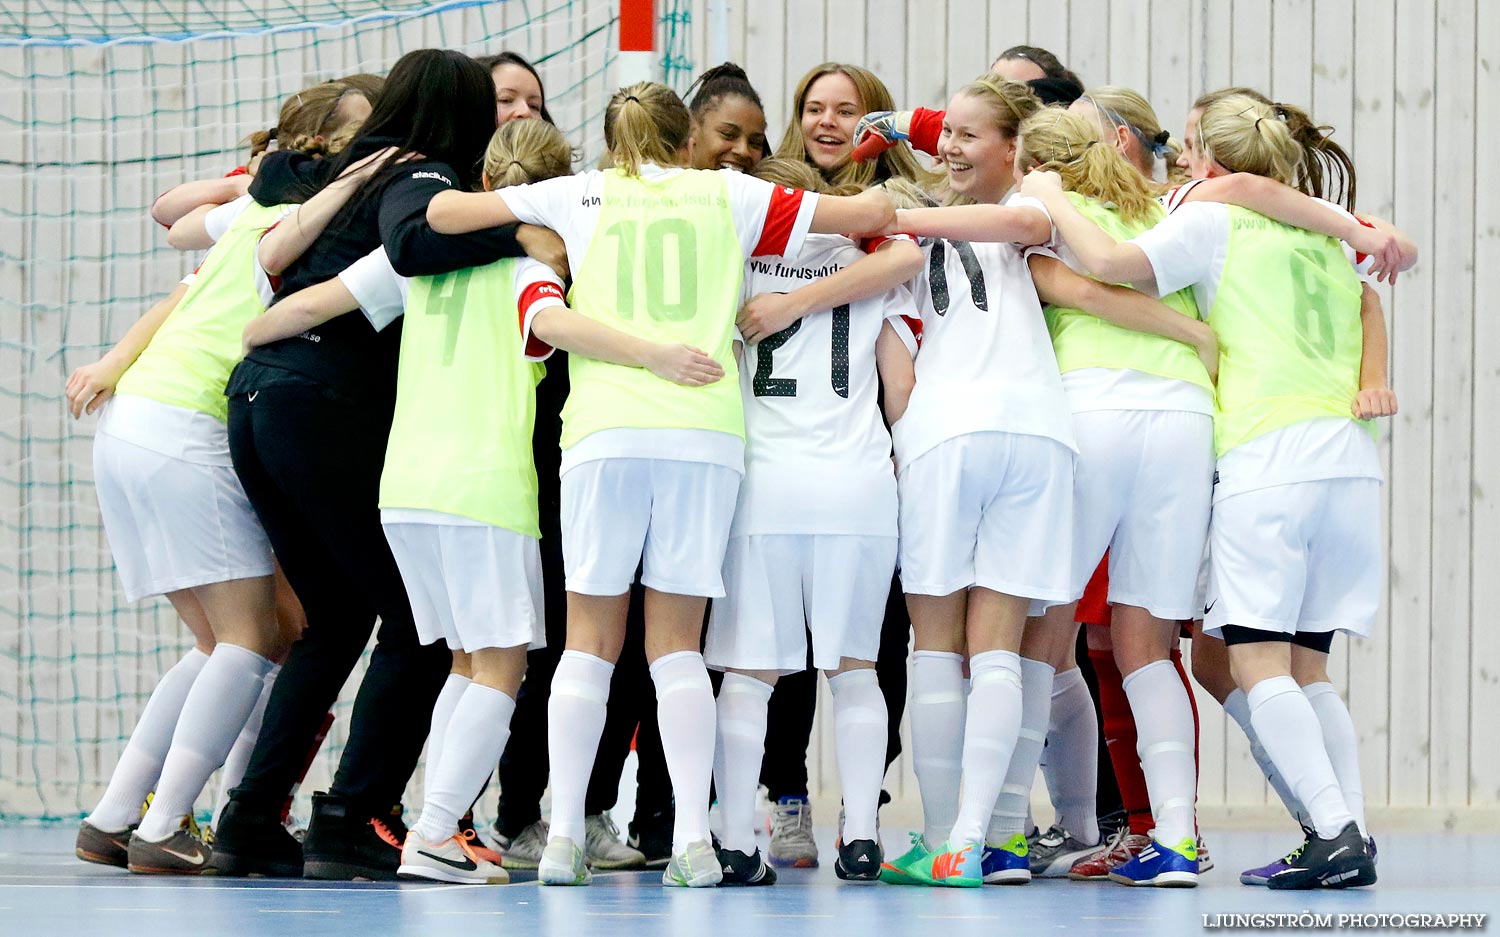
(741, 744)
(1008, 816)
(860, 733)
(474, 737)
(437, 732)
(1070, 762)
(212, 716)
(1238, 707)
(1288, 728)
(1164, 740)
(685, 716)
(140, 763)
(1342, 745)
(575, 720)
(937, 709)
(239, 756)
(990, 733)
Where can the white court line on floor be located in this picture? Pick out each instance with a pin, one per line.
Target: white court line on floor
(349, 888)
(795, 915)
(297, 911)
(958, 917)
(465, 912)
(157, 910)
(625, 913)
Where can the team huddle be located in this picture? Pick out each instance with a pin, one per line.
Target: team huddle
(1064, 385)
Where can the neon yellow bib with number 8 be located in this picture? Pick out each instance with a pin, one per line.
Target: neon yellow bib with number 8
(1287, 319)
(465, 403)
(664, 265)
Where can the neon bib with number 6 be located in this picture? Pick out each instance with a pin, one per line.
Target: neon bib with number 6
(664, 265)
(1287, 318)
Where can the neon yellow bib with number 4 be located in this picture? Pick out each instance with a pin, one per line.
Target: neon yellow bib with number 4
(664, 265)
(1086, 341)
(1287, 319)
(465, 403)
(189, 359)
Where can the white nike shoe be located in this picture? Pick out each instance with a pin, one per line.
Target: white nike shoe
(452, 860)
(563, 864)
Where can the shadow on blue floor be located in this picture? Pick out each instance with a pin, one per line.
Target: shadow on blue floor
(46, 892)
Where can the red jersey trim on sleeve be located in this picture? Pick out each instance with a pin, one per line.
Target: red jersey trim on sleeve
(1359, 256)
(871, 245)
(781, 219)
(915, 324)
(534, 293)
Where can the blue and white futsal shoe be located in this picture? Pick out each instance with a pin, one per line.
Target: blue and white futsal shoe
(1161, 866)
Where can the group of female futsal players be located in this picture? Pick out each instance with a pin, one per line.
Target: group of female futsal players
(787, 378)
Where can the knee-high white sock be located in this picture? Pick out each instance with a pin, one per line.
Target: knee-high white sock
(1010, 809)
(1238, 707)
(685, 715)
(741, 728)
(140, 763)
(575, 720)
(1289, 729)
(1342, 745)
(239, 756)
(938, 709)
(990, 733)
(212, 716)
(859, 735)
(1164, 740)
(1070, 761)
(474, 737)
(437, 733)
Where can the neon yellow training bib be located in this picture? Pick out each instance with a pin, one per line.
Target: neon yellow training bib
(1287, 319)
(465, 403)
(1082, 340)
(664, 265)
(189, 359)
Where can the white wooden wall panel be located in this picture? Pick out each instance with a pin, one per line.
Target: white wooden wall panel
(1413, 89)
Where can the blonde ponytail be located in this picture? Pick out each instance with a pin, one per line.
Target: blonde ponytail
(645, 123)
(524, 151)
(308, 121)
(1243, 135)
(1070, 145)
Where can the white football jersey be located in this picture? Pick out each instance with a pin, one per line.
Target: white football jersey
(986, 363)
(817, 453)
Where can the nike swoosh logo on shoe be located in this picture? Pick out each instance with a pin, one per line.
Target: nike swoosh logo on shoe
(195, 858)
(468, 865)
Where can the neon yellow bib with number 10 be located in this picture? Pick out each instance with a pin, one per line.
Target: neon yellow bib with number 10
(1287, 319)
(664, 265)
(465, 403)
(1082, 340)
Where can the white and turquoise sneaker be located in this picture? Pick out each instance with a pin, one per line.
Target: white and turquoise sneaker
(695, 867)
(562, 864)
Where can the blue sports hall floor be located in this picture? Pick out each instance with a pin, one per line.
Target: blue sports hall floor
(44, 891)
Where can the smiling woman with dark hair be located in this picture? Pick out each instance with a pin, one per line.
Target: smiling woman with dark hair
(308, 422)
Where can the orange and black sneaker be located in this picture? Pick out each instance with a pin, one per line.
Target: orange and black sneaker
(345, 843)
(102, 846)
(182, 853)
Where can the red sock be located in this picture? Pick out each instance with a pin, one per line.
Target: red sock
(312, 754)
(1119, 735)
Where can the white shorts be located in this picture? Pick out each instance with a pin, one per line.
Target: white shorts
(1143, 490)
(989, 509)
(474, 586)
(781, 586)
(174, 524)
(1299, 557)
(671, 518)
